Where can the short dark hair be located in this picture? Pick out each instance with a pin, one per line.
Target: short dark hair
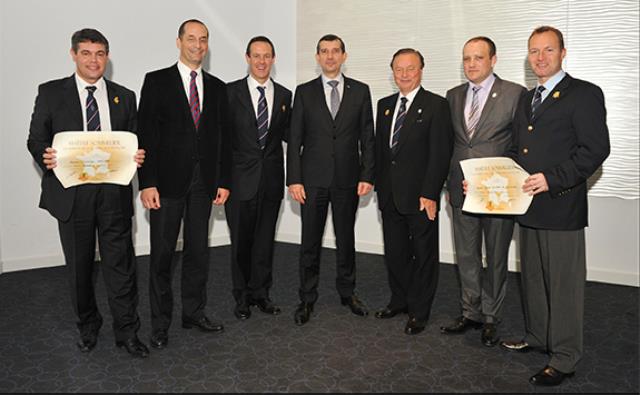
(260, 39)
(403, 51)
(490, 43)
(330, 37)
(184, 24)
(88, 35)
(544, 29)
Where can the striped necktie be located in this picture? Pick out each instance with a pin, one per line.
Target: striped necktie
(537, 99)
(263, 118)
(194, 100)
(402, 112)
(93, 115)
(335, 98)
(474, 112)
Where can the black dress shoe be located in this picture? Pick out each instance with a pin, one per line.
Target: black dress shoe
(414, 326)
(159, 339)
(389, 313)
(461, 325)
(242, 311)
(87, 342)
(303, 313)
(203, 324)
(266, 306)
(516, 346)
(356, 305)
(134, 347)
(489, 335)
(549, 377)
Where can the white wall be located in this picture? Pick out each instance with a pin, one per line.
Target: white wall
(34, 44)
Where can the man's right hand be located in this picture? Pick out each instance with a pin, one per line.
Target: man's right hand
(465, 187)
(297, 193)
(150, 198)
(49, 158)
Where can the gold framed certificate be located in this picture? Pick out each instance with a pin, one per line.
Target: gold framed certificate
(495, 186)
(95, 157)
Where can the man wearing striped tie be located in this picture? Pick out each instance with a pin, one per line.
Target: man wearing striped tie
(413, 149)
(183, 125)
(259, 114)
(482, 111)
(87, 101)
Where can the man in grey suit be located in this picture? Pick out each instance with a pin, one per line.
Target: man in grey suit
(482, 112)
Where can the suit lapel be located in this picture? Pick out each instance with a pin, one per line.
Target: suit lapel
(245, 98)
(462, 101)
(72, 103)
(345, 102)
(115, 109)
(555, 95)
(494, 95)
(385, 127)
(319, 94)
(415, 112)
(176, 85)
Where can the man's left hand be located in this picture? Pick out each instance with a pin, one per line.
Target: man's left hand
(364, 188)
(429, 206)
(221, 197)
(535, 184)
(139, 157)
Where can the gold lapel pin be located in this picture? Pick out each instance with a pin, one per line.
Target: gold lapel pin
(284, 108)
(419, 110)
(494, 95)
(386, 112)
(556, 94)
(116, 100)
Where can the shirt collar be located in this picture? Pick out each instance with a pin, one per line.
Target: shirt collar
(253, 84)
(553, 80)
(82, 84)
(486, 84)
(185, 70)
(411, 95)
(326, 79)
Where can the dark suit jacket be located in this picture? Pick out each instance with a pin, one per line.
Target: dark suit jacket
(321, 151)
(420, 164)
(567, 141)
(168, 134)
(58, 109)
(250, 163)
(493, 134)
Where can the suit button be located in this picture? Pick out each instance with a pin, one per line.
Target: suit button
(525, 151)
(334, 137)
(530, 128)
(393, 162)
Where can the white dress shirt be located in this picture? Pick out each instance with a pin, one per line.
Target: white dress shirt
(102, 99)
(328, 88)
(410, 96)
(185, 74)
(255, 95)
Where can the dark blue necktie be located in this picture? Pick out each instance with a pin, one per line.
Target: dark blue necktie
(402, 112)
(93, 115)
(537, 99)
(263, 118)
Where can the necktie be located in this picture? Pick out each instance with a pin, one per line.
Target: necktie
(335, 98)
(194, 100)
(537, 99)
(402, 112)
(474, 112)
(263, 118)
(93, 115)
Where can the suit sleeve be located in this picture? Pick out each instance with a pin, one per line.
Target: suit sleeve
(147, 134)
(225, 160)
(439, 151)
(287, 121)
(296, 137)
(367, 140)
(40, 129)
(592, 143)
(132, 121)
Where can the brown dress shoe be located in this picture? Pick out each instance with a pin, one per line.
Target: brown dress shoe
(549, 376)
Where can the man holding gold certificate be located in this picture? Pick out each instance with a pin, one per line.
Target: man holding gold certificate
(86, 101)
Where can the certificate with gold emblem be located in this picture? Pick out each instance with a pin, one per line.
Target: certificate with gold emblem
(95, 157)
(495, 186)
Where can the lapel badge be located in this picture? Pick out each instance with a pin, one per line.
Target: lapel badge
(386, 112)
(494, 95)
(284, 108)
(556, 94)
(419, 110)
(116, 100)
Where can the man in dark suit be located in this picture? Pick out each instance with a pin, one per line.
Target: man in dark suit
(183, 125)
(330, 159)
(560, 138)
(87, 101)
(259, 114)
(413, 149)
(482, 111)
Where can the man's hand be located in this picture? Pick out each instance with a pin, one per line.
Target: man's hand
(535, 184)
(49, 158)
(465, 187)
(221, 196)
(139, 157)
(364, 188)
(429, 206)
(150, 198)
(297, 193)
